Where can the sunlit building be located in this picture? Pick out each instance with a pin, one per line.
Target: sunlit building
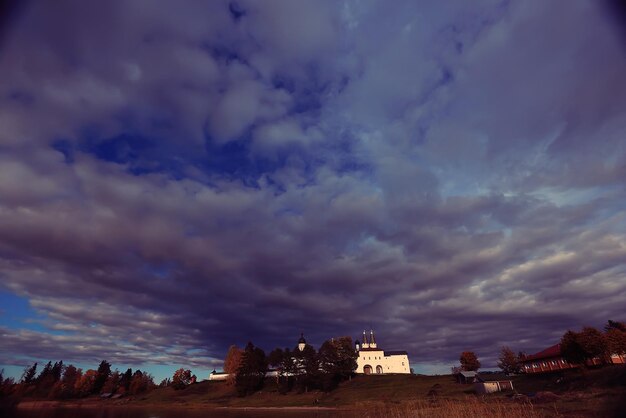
(374, 360)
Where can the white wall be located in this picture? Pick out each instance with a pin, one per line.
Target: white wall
(389, 364)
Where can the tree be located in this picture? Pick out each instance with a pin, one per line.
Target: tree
(71, 377)
(112, 383)
(181, 379)
(232, 362)
(57, 370)
(280, 360)
(276, 357)
(7, 387)
(620, 326)
(104, 370)
(45, 374)
(48, 377)
(337, 362)
(85, 385)
(594, 343)
(571, 349)
(142, 382)
(28, 376)
(305, 366)
(469, 361)
(616, 341)
(508, 361)
(251, 371)
(126, 379)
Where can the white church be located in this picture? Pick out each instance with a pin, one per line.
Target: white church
(375, 360)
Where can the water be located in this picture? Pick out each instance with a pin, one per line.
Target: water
(146, 412)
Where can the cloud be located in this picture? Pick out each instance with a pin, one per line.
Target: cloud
(199, 177)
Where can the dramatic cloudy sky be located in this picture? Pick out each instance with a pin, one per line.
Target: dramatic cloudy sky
(176, 177)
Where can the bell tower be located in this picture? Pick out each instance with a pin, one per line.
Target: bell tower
(372, 339)
(301, 342)
(365, 343)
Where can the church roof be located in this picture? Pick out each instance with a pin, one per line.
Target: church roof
(302, 340)
(396, 353)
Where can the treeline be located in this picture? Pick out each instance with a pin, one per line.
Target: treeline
(60, 381)
(296, 370)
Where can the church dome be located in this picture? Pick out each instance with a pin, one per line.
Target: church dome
(302, 340)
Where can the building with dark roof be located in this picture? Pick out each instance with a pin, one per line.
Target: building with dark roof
(546, 360)
(551, 359)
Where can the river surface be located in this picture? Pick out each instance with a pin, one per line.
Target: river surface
(140, 412)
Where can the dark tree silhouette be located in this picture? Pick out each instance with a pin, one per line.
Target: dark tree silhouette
(251, 372)
(306, 368)
(103, 372)
(594, 343)
(620, 326)
(571, 349)
(337, 362)
(28, 377)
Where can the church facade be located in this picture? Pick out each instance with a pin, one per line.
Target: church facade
(374, 360)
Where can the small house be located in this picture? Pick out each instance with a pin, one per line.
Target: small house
(218, 375)
(466, 377)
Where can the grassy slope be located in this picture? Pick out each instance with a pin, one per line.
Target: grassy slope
(568, 385)
(358, 390)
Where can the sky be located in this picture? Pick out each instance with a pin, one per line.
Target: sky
(177, 177)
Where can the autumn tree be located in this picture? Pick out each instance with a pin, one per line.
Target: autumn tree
(251, 371)
(508, 361)
(112, 383)
(616, 341)
(71, 377)
(469, 361)
(181, 379)
(142, 382)
(232, 362)
(85, 385)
